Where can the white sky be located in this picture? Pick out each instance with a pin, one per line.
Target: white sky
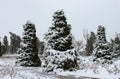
(81, 14)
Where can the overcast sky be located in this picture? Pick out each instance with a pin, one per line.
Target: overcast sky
(81, 14)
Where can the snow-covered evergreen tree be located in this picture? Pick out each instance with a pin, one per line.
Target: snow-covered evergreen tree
(14, 42)
(116, 47)
(28, 47)
(102, 46)
(58, 36)
(59, 52)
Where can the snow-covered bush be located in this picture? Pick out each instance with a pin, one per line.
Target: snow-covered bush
(66, 60)
(101, 50)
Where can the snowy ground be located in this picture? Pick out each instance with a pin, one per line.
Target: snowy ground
(8, 70)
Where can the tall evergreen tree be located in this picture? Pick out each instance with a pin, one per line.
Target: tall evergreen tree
(58, 36)
(102, 46)
(5, 44)
(28, 49)
(59, 50)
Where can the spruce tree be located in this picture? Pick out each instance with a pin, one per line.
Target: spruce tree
(116, 47)
(28, 48)
(15, 42)
(58, 36)
(5, 44)
(102, 46)
(59, 50)
(90, 44)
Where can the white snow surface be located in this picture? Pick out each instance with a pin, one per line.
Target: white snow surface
(8, 70)
(95, 70)
(87, 68)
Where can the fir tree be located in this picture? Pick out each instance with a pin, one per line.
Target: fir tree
(90, 44)
(5, 44)
(58, 36)
(28, 49)
(15, 42)
(116, 47)
(59, 50)
(102, 46)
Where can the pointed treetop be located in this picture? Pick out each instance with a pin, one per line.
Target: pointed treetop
(29, 22)
(101, 28)
(59, 14)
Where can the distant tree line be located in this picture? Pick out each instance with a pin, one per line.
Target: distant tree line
(12, 46)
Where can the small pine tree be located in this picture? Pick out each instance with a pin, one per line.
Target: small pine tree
(28, 48)
(116, 47)
(5, 44)
(102, 46)
(15, 42)
(58, 36)
(2, 49)
(90, 44)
